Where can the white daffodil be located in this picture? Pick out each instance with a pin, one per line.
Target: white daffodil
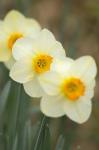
(13, 27)
(35, 58)
(70, 90)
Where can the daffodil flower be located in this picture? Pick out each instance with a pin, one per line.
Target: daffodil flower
(13, 27)
(35, 58)
(70, 89)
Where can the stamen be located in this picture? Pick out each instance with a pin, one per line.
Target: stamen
(42, 63)
(73, 88)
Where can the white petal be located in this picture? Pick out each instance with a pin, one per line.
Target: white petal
(32, 23)
(62, 66)
(13, 14)
(10, 63)
(33, 88)
(14, 20)
(89, 91)
(22, 48)
(50, 82)
(31, 28)
(90, 85)
(2, 34)
(89, 94)
(45, 40)
(78, 111)
(52, 106)
(85, 67)
(57, 50)
(22, 71)
(5, 53)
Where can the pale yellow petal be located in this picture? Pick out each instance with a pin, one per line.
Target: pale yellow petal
(22, 48)
(33, 88)
(5, 53)
(78, 111)
(31, 28)
(22, 71)
(52, 106)
(45, 40)
(50, 82)
(57, 50)
(10, 63)
(14, 19)
(62, 66)
(84, 67)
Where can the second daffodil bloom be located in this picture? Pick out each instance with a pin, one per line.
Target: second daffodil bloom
(35, 58)
(70, 90)
(13, 27)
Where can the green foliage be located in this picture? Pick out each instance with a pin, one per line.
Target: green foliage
(42, 138)
(17, 132)
(4, 97)
(60, 143)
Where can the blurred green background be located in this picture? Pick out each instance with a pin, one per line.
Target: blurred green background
(76, 24)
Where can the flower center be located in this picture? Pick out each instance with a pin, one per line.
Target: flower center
(42, 63)
(73, 88)
(12, 39)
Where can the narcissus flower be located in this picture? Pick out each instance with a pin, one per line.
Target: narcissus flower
(13, 27)
(70, 90)
(35, 58)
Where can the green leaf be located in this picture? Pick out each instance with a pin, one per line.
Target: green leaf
(16, 106)
(42, 137)
(70, 136)
(11, 113)
(26, 135)
(60, 143)
(45, 142)
(3, 141)
(23, 139)
(4, 97)
(15, 143)
(31, 131)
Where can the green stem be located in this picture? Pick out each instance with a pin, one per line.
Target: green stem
(13, 119)
(42, 125)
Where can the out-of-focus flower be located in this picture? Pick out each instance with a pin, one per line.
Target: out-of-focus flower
(70, 90)
(35, 58)
(13, 27)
